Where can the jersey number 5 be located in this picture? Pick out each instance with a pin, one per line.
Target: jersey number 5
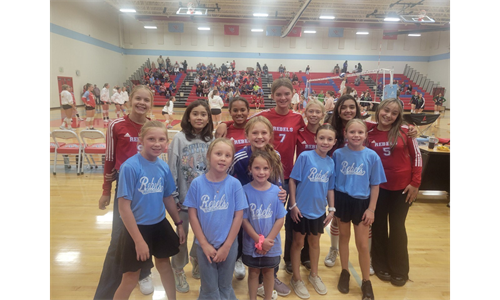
(387, 151)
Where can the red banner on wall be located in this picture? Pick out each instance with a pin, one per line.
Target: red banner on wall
(231, 29)
(389, 37)
(295, 32)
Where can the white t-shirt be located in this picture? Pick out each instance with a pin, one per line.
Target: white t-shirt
(66, 98)
(295, 98)
(169, 108)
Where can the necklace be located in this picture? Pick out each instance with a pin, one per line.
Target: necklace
(216, 186)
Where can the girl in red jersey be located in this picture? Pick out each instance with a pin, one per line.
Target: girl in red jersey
(315, 112)
(402, 163)
(122, 138)
(239, 109)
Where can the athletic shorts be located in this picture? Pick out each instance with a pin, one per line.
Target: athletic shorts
(67, 106)
(350, 209)
(216, 111)
(309, 226)
(89, 108)
(165, 113)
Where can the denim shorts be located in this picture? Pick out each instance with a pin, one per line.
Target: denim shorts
(263, 262)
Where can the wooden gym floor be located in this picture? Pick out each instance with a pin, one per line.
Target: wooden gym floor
(80, 235)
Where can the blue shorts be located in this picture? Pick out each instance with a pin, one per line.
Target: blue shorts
(263, 262)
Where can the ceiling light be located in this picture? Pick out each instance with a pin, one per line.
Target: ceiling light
(203, 28)
(362, 32)
(414, 34)
(309, 31)
(327, 17)
(260, 15)
(150, 27)
(127, 10)
(257, 30)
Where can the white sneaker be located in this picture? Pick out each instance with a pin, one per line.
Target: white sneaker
(62, 127)
(331, 257)
(146, 285)
(239, 269)
(261, 293)
(318, 284)
(299, 287)
(71, 128)
(371, 270)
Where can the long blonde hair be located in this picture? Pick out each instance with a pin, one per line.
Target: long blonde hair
(395, 132)
(276, 165)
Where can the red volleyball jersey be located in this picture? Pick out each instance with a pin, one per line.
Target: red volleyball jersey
(237, 136)
(305, 141)
(122, 137)
(286, 128)
(90, 101)
(402, 165)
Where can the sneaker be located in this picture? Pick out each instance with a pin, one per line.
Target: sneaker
(288, 268)
(239, 269)
(146, 285)
(398, 280)
(331, 257)
(62, 127)
(371, 270)
(307, 265)
(384, 276)
(261, 293)
(196, 268)
(71, 128)
(366, 289)
(181, 284)
(343, 285)
(281, 288)
(169, 127)
(318, 284)
(299, 287)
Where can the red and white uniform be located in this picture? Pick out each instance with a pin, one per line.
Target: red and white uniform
(305, 141)
(402, 165)
(286, 128)
(237, 136)
(122, 136)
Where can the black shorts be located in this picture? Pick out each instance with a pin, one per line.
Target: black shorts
(306, 225)
(350, 209)
(89, 108)
(67, 106)
(216, 111)
(165, 113)
(161, 239)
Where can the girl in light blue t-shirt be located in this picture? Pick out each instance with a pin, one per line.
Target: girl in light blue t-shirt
(215, 204)
(359, 173)
(262, 222)
(312, 182)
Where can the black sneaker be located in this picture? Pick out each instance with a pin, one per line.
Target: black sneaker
(383, 275)
(343, 285)
(307, 264)
(288, 267)
(366, 289)
(398, 280)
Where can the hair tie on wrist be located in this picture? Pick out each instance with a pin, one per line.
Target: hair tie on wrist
(258, 245)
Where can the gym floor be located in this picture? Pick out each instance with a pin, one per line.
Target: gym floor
(80, 235)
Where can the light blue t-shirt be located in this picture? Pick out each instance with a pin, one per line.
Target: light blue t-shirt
(264, 208)
(315, 176)
(357, 171)
(145, 183)
(216, 203)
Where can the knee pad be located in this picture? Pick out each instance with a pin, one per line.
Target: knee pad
(88, 119)
(104, 111)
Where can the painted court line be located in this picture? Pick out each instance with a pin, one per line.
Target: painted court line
(354, 274)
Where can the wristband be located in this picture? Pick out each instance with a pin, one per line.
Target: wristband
(332, 209)
(259, 244)
(178, 223)
(290, 208)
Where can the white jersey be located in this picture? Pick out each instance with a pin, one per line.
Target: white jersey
(116, 98)
(169, 109)
(66, 98)
(105, 95)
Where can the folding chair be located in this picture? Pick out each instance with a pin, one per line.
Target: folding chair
(53, 150)
(67, 149)
(93, 148)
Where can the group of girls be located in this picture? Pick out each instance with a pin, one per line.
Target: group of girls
(257, 155)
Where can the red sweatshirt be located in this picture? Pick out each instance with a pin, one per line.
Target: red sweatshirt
(402, 165)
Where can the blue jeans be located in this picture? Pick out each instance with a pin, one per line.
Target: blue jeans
(216, 278)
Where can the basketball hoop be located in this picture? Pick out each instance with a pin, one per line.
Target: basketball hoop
(190, 8)
(421, 15)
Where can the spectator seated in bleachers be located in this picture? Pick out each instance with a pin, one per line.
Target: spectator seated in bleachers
(336, 69)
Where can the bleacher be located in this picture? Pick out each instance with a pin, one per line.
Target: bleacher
(186, 90)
